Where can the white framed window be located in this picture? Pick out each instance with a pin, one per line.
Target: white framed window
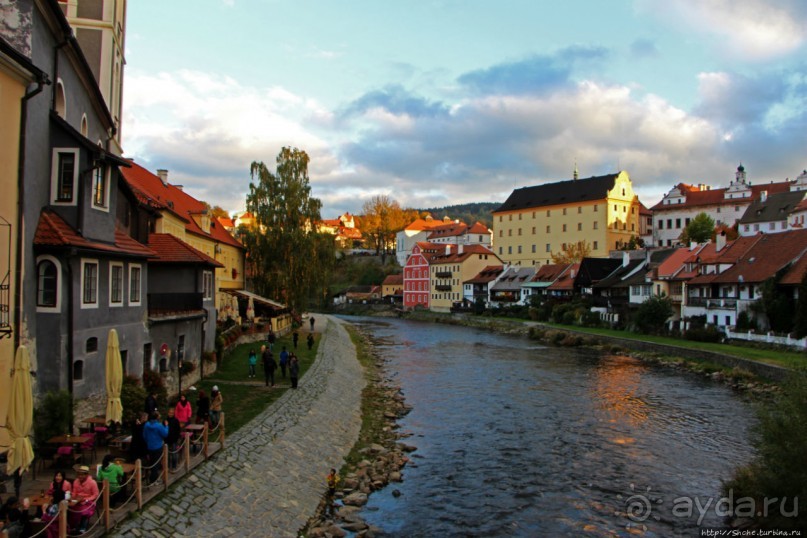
(100, 188)
(64, 176)
(207, 285)
(48, 285)
(115, 284)
(134, 284)
(89, 283)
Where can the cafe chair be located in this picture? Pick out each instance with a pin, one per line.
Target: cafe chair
(88, 447)
(43, 455)
(66, 456)
(101, 433)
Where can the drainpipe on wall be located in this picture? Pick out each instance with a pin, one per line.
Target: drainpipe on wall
(70, 302)
(20, 203)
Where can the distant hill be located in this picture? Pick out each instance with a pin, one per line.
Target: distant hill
(467, 213)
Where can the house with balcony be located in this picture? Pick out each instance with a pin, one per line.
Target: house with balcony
(543, 278)
(740, 270)
(703, 295)
(449, 270)
(181, 309)
(154, 205)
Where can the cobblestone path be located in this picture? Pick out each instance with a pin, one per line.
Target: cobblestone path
(271, 477)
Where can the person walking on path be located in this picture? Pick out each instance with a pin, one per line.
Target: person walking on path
(215, 406)
(284, 360)
(155, 434)
(294, 370)
(295, 338)
(311, 320)
(253, 360)
(269, 366)
(183, 410)
(332, 480)
(310, 341)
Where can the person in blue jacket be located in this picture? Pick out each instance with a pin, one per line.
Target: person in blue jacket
(154, 433)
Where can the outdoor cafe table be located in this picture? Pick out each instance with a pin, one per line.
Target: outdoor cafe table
(98, 421)
(40, 500)
(69, 439)
(194, 427)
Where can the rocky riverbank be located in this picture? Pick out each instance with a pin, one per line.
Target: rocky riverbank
(379, 456)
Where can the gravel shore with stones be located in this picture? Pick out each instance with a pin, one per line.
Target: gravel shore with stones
(271, 477)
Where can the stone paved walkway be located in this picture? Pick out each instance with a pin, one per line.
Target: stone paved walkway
(270, 478)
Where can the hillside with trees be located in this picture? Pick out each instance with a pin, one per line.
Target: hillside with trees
(467, 213)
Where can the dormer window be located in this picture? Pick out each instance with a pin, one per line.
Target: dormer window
(100, 187)
(64, 175)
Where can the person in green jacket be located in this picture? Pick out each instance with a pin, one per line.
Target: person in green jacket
(112, 472)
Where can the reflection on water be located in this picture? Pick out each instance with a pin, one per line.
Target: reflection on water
(520, 440)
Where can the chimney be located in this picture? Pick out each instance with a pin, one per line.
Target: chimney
(180, 187)
(448, 250)
(162, 173)
(625, 258)
(720, 241)
(459, 248)
(763, 196)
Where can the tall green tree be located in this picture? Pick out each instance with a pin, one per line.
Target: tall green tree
(287, 259)
(699, 229)
(652, 315)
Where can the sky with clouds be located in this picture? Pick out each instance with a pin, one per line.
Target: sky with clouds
(437, 102)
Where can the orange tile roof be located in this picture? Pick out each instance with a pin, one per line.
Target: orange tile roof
(171, 249)
(549, 272)
(487, 274)
(478, 228)
(227, 222)
(53, 231)
(170, 198)
(423, 224)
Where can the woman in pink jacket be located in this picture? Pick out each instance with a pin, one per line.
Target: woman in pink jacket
(183, 411)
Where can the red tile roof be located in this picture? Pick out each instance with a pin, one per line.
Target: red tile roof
(696, 197)
(393, 280)
(171, 249)
(53, 231)
(423, 224)
(487, 274)
(170, 198)
(767, 255)
(565, 281)
(478, 228)
(549, 272)
(467, 251)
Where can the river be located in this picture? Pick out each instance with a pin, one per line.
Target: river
(517, 439)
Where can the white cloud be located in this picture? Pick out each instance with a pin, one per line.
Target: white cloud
(750, 29)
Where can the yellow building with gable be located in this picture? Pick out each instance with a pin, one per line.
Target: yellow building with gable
(536, 222)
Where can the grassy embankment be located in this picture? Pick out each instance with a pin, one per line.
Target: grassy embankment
(245, 398)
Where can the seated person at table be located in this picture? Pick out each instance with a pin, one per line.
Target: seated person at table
(15, 519)
(58, 488)
(85, 493)
(111, 471)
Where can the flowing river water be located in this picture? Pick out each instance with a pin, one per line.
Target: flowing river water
(517, 439)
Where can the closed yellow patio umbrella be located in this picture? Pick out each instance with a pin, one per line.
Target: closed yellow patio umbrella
(20, 414)
(114, 378)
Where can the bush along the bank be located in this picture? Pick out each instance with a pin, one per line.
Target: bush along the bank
(771, 492)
